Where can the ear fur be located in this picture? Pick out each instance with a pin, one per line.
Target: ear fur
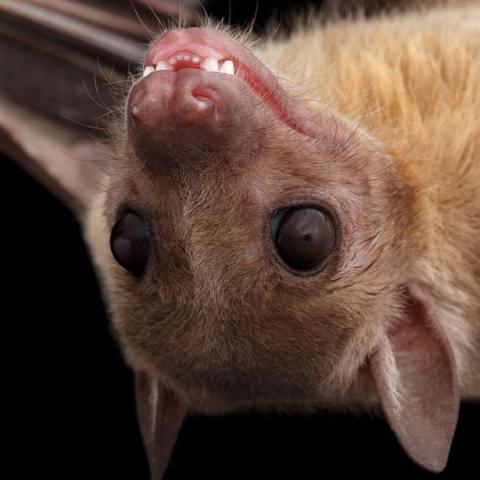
(416, 381)
(160, 416)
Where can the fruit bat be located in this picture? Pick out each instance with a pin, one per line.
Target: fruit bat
(287, 225)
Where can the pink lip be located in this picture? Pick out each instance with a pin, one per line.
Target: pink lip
(164, 50)
(247, 67)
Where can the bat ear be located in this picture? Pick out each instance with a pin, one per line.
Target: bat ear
(160, 416)
(416, 381)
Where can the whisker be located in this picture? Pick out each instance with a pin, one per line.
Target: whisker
(140, 19)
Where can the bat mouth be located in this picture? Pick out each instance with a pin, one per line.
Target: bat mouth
(217, 53)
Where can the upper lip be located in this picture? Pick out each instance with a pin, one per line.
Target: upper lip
(163, 50)
(209, 43)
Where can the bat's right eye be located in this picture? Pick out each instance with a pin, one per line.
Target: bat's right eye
(304, 237)
(130, 242)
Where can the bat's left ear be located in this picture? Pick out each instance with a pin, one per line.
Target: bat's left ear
(160, 416)
(416, 381)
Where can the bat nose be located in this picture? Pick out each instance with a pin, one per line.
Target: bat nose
(165, 100)
(176, 119)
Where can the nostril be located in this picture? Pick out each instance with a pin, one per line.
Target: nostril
(205, 93)
(196, 106)
(203, 101)
(135, 99)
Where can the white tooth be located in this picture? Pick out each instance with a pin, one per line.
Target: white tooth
(179, 58)
(227, 67)
(186, 58)
(210, 64)
(162, 66)
(195, 59)
(172, 61)
(148, 71)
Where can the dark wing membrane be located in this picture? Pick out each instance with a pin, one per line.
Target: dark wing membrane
(62, 53)
(62, 62)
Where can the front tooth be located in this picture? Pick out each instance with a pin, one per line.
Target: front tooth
(210, 64)
(162, 66)
(148, 71)
(227, 67)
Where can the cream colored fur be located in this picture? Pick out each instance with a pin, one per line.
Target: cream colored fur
(412, 80)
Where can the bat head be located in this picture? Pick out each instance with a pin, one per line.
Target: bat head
(257, 250)
(254, 243)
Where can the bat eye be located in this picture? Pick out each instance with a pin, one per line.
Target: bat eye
(304, 237)
(130, 243)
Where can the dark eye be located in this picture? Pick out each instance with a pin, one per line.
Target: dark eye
(304, 237)
(130, 243)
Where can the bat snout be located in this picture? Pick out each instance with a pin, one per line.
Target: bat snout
(188, 117)
(163, 101)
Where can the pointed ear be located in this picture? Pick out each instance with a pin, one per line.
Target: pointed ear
(416, 381)
(160, 416)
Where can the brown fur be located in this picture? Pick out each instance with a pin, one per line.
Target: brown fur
(415, 90)
(216, 317)
(414, 85)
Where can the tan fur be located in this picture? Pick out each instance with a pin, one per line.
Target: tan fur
(413, 81)
(403, 93)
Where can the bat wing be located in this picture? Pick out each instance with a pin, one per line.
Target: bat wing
(67, 63)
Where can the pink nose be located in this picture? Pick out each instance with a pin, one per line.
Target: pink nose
(189, 119)
(172, 97)
(172, 116)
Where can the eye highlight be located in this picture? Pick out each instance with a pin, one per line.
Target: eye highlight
(130, 243)
(304, 237)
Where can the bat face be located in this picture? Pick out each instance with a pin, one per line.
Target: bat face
(253, 247)
(259, 249)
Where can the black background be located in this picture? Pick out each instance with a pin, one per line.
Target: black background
(70, 397)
